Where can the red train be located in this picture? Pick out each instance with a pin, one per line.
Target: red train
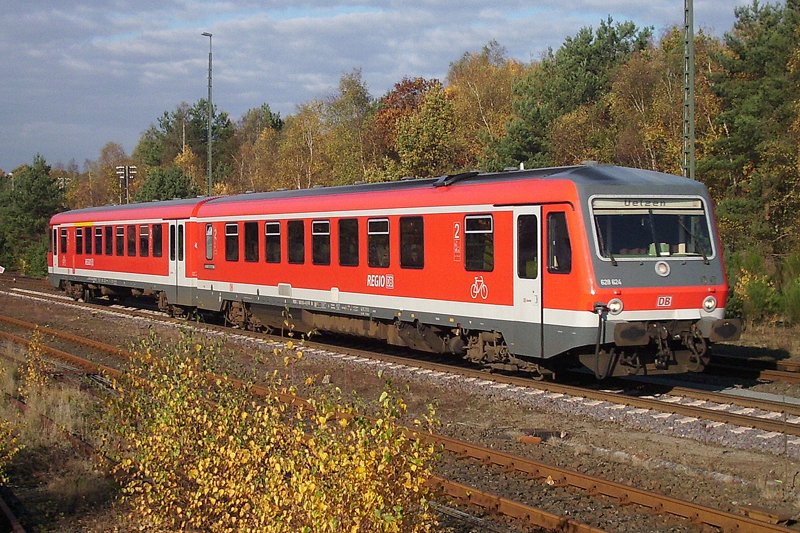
(615, 268)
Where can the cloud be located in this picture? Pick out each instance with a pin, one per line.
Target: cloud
(79, 75)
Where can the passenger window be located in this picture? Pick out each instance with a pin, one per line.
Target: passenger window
(209, 242)
(559, 254)
(231, 242)
(87, 240)
(412, 242)
(109, 230)
(131, 240)
(321, 242)
(79, 241)
(527, 247)
(144, 240)
(64, 241)
(251, 242)
(479, 243)
(348, 242)
(98, 241)
(158, 240)
(120, 244)
(296, 241)
(272, 243)
(378, 242)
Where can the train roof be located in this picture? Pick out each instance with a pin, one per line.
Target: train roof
(585, 176)
(499, 188)
(585, 179)
(178, 208)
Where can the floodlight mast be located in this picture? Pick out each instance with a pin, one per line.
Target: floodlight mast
(210, 108)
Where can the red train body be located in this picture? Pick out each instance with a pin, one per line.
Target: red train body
(616, 268)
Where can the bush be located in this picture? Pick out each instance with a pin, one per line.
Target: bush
(790, 301)
(213, 459)
(754, 296)
(8, 443)
(34, 258)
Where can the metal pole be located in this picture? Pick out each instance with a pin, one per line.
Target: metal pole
(210, 108)
(688, 91)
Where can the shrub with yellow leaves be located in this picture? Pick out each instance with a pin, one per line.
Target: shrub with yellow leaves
(35, 372)
(195, 455)
(8, 442)
(8, 448)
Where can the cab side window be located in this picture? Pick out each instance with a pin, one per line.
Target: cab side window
(527, 247)
(559, 253)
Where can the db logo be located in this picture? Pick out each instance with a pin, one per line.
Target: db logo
(664, 301)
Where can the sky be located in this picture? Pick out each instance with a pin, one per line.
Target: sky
(78, 74)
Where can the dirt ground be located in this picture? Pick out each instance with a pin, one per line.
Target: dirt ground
(688, 469)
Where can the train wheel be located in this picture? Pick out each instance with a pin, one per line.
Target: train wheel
(236, 314)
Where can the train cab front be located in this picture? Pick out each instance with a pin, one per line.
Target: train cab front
(660, 285)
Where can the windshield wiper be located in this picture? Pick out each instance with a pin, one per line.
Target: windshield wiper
(697, 240)
(606, 251)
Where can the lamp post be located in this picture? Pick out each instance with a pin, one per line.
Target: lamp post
(209, 181)
(126, 174)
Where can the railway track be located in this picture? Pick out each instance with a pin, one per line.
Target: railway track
(522, 466)
(685, 404)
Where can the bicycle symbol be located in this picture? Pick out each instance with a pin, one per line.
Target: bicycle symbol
(479, 287)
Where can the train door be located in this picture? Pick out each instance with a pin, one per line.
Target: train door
(527, 281)
(180, 292)
(54, 249)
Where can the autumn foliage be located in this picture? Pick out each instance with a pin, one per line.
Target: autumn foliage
(206, 456)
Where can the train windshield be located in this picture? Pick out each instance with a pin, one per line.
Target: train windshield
(629, 228)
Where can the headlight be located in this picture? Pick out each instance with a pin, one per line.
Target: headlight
(662, 269)
(709, 304)
(615, 306)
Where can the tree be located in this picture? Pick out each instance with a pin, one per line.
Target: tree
(425, 140)
(347, 115)
(188, 126)
(99, 184)
(255, 121)
(754, 164)
(479, 85)
(577, 74)
(302, 161)
(395, 106)
(646, 102)
(257, 134)
(166, 184)
(25, 210)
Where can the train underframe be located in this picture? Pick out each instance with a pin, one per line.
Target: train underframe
(639, 348)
